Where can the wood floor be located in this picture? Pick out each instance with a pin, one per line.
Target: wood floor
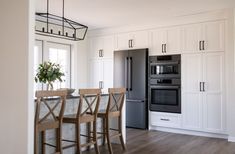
(156, 142)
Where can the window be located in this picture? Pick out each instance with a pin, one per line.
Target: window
(56, 53)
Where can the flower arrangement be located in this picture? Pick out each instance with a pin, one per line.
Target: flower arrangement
(47, 73)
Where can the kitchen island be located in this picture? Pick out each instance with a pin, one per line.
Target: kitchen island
(68, 131)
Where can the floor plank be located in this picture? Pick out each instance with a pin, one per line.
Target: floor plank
(151, 142)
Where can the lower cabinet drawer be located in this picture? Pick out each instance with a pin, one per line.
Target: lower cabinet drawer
(165, 119)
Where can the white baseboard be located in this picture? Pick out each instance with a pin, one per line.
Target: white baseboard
(231, 138)
(190, 132)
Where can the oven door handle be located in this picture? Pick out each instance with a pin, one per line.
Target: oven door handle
(164, 87)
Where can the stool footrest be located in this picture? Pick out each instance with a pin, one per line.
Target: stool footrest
(88, 144)
(113, 129)
(69, 146)
(68, 140)
(48, 144)
(115, 135)
(86, 136)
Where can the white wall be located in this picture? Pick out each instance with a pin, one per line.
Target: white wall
(16, 98)
(231, 107)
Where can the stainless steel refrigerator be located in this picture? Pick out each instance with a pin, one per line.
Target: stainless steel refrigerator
(131, 71)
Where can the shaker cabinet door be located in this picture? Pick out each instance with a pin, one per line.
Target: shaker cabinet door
(192, 35)
(191, 95)
(213, 100)
(213, 36)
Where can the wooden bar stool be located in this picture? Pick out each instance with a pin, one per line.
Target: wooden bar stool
(50, 119)
(86, 113)
(113, 110)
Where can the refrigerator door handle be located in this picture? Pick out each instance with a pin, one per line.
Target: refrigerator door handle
(130, 74)
(126, 74)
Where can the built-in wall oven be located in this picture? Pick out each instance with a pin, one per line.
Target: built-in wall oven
(165, 84)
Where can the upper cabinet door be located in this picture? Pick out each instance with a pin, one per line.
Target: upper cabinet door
(192, 35)
(173, 44)
(213, 36)
(108, 47)
(133, 40)
(96, 44)
(102, 47)
(123, 41)
(139, 39)
(166, 41)
(158, 39)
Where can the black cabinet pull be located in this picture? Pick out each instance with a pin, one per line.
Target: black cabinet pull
(129, 43)
(203, 86)
(165, 48)
(163, 119)
(162, 48)
(102, 53)
(200, 45)
(200, 85)
(203, 45)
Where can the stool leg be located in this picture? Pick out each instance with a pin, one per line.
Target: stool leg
(59, 140)
(43, 141)
(78, 138)
(95, 138)
(120, 131)
(88, 134)
(36, 141)
(104, 132)
(108, 136)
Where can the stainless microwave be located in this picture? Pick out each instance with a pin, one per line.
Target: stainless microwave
(165, 66)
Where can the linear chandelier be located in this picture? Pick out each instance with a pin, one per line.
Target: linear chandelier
(60, 27)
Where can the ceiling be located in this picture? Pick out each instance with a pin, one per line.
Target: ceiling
(112, 13)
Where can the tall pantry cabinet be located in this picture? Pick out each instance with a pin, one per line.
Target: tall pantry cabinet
(203, 75)
(101, 62)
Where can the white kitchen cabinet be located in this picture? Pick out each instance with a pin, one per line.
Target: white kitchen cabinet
(203, 105)
(213, 97)
(95, 73)
(191, 95)
(133, 40)
(204, 37)
(101, 73)
(165, 41)
(101, 47)
(213, 36)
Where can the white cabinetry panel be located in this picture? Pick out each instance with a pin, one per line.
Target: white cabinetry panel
(166, 41)
(204, 37)
(191, 38)
(214, 104)
(101, 47)
(203, 105)
(213, 36)
(133, 40)
(192, 99)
